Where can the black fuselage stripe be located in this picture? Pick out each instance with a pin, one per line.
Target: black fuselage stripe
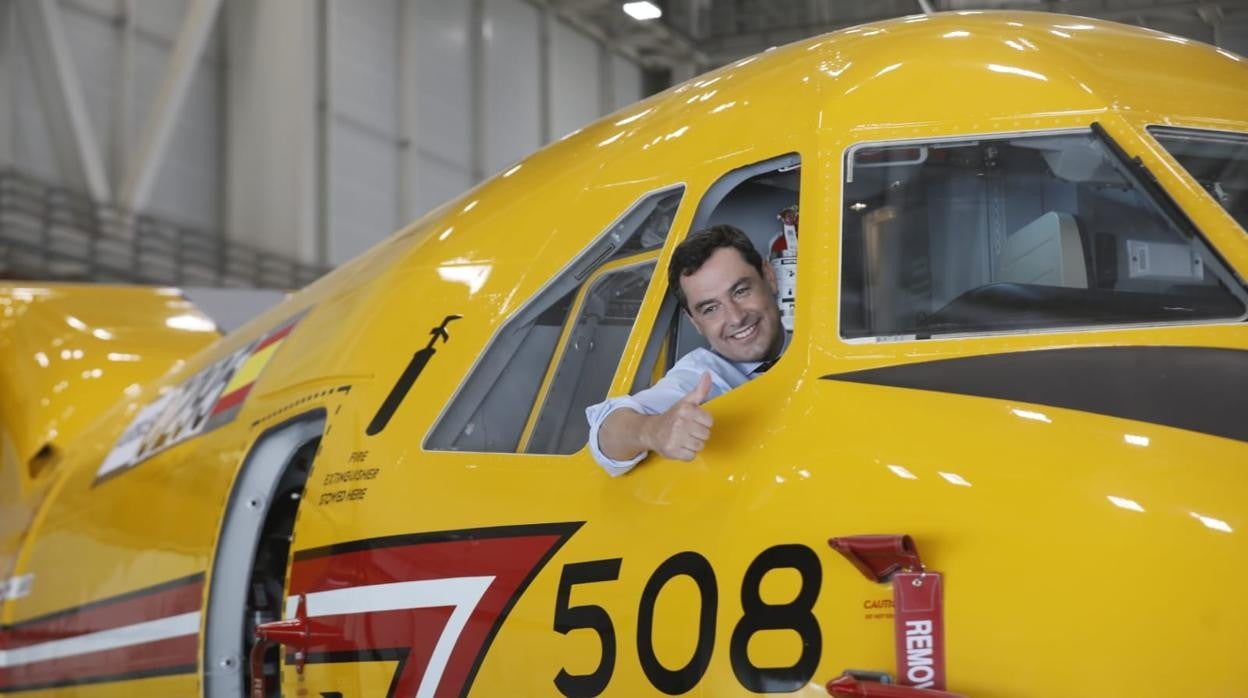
(1200, 389)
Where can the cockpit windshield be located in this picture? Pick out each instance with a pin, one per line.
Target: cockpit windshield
(1216, 159)
(1026, 233)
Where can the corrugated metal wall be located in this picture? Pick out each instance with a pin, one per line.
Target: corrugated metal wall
(399, 108)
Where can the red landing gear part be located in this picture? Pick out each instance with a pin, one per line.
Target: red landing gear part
(918, 618)
(847, 686)
(294, 632)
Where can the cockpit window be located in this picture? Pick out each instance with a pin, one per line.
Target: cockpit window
(1215, 159)
(559, 352)
(1017, 233)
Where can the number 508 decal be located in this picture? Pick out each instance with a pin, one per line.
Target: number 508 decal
(796, 615)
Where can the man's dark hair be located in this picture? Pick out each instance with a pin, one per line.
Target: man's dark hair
(691, 254)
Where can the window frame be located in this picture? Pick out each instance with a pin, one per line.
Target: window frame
(638, 259)
(1152, 130)
(1158, 196)
(575, 273)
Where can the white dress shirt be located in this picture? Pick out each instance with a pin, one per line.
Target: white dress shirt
(679, 382)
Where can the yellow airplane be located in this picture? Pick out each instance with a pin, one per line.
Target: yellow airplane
(1003, 455)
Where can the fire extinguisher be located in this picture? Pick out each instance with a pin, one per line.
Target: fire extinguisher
(783, 261)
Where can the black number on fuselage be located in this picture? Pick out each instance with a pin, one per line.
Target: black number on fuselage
(569, 618)
(676, 681)
(796, 615)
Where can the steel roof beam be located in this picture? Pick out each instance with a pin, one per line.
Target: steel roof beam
(154, 140)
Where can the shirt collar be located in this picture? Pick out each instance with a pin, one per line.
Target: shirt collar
(748, 367)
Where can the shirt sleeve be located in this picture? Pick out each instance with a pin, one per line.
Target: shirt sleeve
(653, 400)
(597, 414)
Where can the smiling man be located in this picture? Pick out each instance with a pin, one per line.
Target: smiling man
(729, 295)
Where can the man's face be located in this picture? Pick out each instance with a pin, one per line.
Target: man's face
(734, 307)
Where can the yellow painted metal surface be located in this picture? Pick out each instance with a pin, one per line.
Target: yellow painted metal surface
(1080, 550)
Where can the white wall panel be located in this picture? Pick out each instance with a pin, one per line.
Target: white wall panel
(8, 54)
(271, 107)
(33, 151)
(99, 7)
(160, 17)
(96, 50)
(364, 66)
(443, 82)
(437, 182)
(512, 114)
(576, 81)
(1235, 38)
(151, 58)
(249, 139)
(627, 81)
(362, 191)
(363, 153)
(189, 182)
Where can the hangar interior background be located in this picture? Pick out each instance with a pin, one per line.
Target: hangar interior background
(258, 143)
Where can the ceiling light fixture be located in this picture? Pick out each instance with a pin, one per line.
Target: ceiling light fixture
(642, 10)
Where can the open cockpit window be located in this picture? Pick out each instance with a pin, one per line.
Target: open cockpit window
(558, 354)
(1016, 233)
(1217, 160)
(762, 201)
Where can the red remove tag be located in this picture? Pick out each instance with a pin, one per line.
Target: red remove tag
(919, 627)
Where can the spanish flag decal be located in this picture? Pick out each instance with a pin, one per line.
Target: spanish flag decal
(236, 391)
(181, 413)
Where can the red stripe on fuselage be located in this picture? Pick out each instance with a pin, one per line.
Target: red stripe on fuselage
(142, 659)
(511, 560)
(234, 398)
(275, 337)
(137, 607)
(161, 656)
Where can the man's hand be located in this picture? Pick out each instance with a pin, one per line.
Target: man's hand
(681, 432)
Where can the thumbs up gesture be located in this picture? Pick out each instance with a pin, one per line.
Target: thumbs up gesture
(681, 432)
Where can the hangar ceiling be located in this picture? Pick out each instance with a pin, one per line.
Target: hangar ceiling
(709, 33)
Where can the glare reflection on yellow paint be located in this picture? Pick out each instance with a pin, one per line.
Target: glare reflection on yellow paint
(902, 472)
(1032, 415)
(190, 323)
(471, 275)
(634, 117)
(1212, 523)
(1124, 503)
(955, 479)
(1012, 70)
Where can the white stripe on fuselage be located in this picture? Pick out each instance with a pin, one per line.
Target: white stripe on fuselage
(111, 639)
(463, 593)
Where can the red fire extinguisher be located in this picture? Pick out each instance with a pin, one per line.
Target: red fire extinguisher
(783, 261)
